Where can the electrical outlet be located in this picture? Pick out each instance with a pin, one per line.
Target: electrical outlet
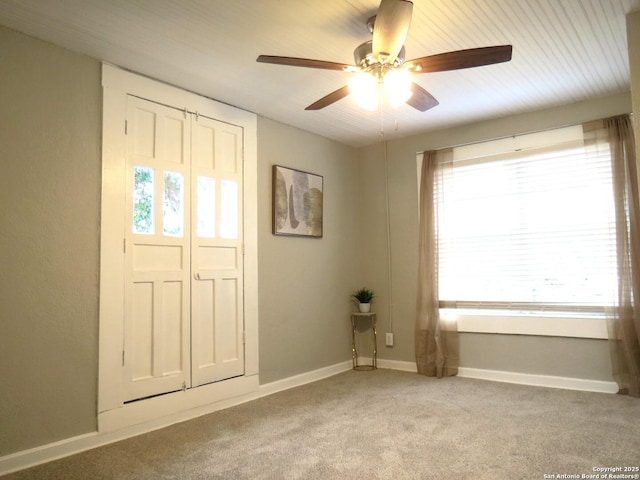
(389, 340)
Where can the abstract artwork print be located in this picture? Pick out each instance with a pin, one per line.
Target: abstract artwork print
(297, 202)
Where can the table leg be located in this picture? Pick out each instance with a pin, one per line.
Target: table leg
(354, 353)
(375, 347)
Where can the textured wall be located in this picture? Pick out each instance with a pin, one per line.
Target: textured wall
(305, 283)
(50, 117)
(585, 358)
(50, 151)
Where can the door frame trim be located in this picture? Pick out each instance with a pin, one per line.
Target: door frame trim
(117, 84)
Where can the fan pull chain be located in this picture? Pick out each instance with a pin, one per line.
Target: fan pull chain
(396, 125)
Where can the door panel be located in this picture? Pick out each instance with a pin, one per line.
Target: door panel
(142, 331)
(171, 362)
(227, 151)
(227, 313)
(216, 250)
(156, 357)
(218, 258)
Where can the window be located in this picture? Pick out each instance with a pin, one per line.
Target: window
(143, 200)
(526, 229)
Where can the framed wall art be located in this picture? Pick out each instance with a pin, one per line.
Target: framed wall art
(297, 202)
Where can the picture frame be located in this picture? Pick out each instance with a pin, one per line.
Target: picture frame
(297, 202)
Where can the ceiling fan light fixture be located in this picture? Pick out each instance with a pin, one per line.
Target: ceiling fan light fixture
(364, 90)
(397, 86)
(380, 63)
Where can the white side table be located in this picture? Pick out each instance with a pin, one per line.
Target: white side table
(354, 354)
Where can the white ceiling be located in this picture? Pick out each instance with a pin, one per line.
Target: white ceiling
(564, 51)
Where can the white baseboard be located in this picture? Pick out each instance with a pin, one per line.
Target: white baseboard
(49, 452)
(567, 383)
(70, 446)
(395, 365)
(303, 378)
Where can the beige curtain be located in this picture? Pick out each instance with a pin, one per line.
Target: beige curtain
(616, 135)
(436, 341)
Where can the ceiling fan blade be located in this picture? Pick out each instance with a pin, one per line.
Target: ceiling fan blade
(329, 99)
(420, 99)
(473, 57)
(305, 62)
(390, 29)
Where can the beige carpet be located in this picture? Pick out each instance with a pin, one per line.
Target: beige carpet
(381, 424)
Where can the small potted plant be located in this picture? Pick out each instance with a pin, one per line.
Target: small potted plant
(364, 297)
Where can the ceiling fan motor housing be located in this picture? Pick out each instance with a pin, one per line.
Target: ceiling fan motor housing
(363, 56)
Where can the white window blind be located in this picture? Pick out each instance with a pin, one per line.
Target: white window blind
(527, 230)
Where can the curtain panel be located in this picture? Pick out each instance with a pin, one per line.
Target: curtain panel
(615, 136)
(436, 341)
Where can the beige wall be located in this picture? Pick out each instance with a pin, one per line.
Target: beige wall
(305, 283)
(508, 353)
(582, 358)
(50, 112)
(50, 117)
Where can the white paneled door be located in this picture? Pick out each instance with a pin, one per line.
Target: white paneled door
(216, 252)
(183, 294)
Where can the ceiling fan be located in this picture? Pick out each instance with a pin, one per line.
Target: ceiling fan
(381, 61)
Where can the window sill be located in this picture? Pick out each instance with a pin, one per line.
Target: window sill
(554, 326)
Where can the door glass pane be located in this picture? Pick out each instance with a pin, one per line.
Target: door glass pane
(173, 204)
(143, 200)
(206, 207)
(229, 210)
